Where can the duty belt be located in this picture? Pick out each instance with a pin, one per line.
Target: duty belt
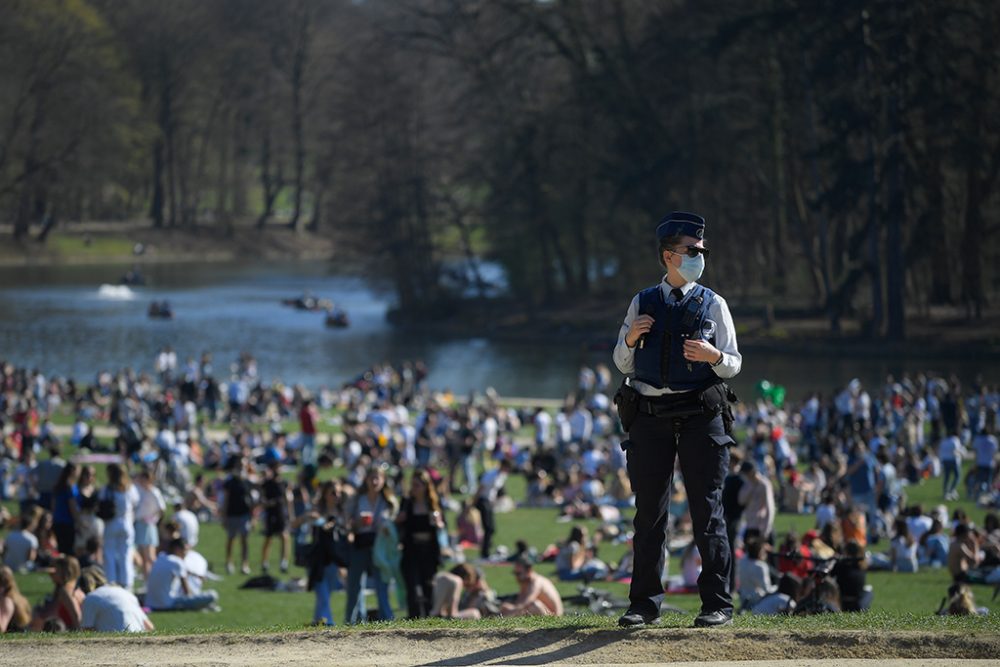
(676, 410)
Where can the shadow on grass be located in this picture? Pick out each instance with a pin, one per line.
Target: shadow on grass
(517, 645)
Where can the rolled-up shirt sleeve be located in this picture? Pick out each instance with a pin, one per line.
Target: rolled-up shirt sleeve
(624, 355)
(725, 340)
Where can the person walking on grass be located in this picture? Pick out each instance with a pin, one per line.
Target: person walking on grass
(374, 506)
(419, 521)
(119, 529)
(148, 513)
(236, 511)
(277, 502)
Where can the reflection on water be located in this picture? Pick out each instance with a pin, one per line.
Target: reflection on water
(62, 320)
(59, 320)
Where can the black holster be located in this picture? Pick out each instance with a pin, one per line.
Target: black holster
(718, 401)
(627, 401)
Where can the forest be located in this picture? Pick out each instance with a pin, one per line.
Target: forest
(844, 152)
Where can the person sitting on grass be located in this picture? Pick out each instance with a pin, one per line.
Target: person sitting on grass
(168, 589)
(62, 610)
(575, 560)
(851, 574)
(903, 549)
(21, 546)
(754, 574)
(824, 599)
(15, 611)
(782, 601)
(960, 602)
(537, 595)
(933, 551)
(110, 608)
(463, 594)
(963, 555)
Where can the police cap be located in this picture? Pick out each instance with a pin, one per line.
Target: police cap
(681, 223)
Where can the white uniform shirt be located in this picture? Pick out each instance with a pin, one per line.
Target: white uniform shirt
(725, 340)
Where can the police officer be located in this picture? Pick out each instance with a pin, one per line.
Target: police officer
(676, 347)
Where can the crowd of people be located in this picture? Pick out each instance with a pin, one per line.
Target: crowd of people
(422, 475)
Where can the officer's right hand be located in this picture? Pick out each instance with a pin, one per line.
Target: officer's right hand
(640, 327)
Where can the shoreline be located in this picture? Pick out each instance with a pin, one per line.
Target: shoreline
(592, 324)
(100, 244)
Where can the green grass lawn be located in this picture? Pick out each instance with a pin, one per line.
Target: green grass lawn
(902, 601)
(98, 246)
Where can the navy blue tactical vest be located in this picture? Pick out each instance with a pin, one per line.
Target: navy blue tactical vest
(660, 361)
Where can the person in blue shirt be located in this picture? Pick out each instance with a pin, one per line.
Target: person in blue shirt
(65, 508)
(861, 476)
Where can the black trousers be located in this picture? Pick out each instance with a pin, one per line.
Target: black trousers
(419, 565)
(485, 508)
(702, 447)
(65, 536)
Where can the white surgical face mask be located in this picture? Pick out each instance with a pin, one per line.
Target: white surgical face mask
(691, 267)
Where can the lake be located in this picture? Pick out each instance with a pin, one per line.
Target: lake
(59, 320)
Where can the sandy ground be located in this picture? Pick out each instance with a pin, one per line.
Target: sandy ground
(441, 648)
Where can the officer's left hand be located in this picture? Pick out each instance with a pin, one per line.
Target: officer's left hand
(700, 350)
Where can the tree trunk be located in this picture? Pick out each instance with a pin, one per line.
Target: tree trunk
(223, 176)
(823, 227)
(49, 223)
(778, 188)
(157, 203)
(972, 237)
(896, 208)
(874, 228)
(933, 229)
(895, 267)
(268, 182)
(299, 59)
(167, 128)
(239, 179)
(582, 246)
(200, 164)
(22, 216)
(28, 198)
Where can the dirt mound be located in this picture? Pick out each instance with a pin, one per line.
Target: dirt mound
(441, 648)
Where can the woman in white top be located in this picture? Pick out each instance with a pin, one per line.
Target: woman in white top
(119, 532)
(147, 517)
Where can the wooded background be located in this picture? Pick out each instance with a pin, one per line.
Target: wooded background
(844, 152)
